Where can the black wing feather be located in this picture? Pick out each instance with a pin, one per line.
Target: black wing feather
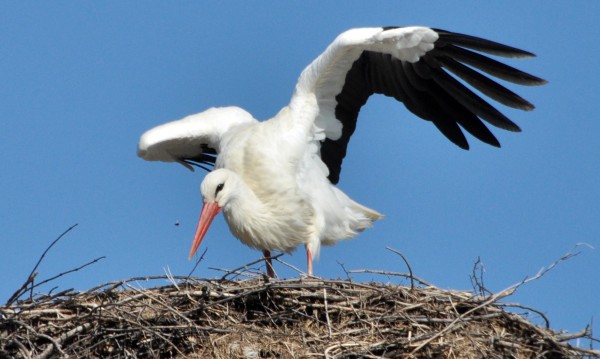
(205, 160)
(490, 66)
(479, 44)
(472, 101)
(486, 85)
(430, 92)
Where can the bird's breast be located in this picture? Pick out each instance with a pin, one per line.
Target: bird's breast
(274, 213)
(272, 225)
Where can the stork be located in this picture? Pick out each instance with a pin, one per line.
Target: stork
(275, 180)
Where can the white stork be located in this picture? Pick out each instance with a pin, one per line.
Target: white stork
(275, 180)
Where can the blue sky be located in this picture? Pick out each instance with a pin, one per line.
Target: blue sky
(82, 80)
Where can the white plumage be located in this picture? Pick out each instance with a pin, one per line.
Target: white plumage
(275, 180)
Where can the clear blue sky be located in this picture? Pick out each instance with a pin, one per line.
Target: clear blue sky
(82, 80)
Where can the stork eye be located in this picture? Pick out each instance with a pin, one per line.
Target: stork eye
(219, 188)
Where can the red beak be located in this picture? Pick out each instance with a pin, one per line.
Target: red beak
(209, 211)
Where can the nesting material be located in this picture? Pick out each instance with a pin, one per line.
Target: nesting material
(251, 318)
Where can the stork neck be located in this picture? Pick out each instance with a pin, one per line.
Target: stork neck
(243, 202)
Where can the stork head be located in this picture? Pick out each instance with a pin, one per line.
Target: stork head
(217, 188)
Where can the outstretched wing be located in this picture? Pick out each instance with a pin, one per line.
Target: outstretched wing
(414, 66)
(193, 140)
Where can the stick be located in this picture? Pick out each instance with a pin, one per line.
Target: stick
(412, 282)
(492, 298)
(33, 273)
(198, 262)
(246, 266)
(69, 271)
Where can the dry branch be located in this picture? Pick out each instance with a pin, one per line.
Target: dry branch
(297, 318)
(257, 317)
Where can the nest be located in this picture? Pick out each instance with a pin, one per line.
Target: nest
(258, 318)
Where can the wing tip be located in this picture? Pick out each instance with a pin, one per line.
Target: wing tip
(483, 45)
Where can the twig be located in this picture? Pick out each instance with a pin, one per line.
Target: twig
(198, 262)
(33, 274)
(22, 348)
(238, 273)
(246, 266)
(493, 298)
(327, 311)
(389, 273)
(170, 277)
(412, 282)
(69, 271)
(108, 286)
(477, 278)
(317, 317)
(54, 344)
(569, 336)
(296, 269)
(50, 246)
(515, 305)
(19, 292)
(345, 271)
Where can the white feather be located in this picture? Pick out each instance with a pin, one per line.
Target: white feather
(277, 194)
(183, 138)
(323, 78)
(270, 180)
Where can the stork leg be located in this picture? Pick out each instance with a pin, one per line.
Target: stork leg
(309, 261)
(270, 270)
